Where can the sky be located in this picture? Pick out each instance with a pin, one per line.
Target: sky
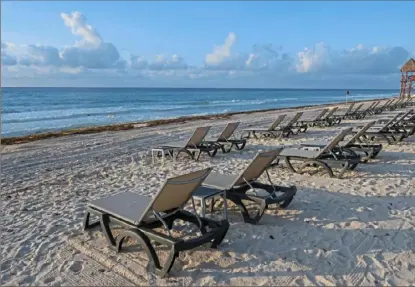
(212, 44)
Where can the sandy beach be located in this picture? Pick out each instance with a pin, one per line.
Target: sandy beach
(359, 230)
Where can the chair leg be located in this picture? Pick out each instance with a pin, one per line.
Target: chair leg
(87, 225)
(105, 220)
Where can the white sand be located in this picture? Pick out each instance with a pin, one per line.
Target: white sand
(356, 230)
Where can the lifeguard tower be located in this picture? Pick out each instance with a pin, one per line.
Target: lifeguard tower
(408, 79)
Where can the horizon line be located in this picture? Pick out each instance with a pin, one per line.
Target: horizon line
(193, 88)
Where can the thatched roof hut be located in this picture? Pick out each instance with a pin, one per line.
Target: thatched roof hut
(409, 66)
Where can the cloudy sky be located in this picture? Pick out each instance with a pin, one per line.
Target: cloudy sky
(207, 44)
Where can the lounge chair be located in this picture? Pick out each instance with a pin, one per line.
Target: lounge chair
(227, 138)
(385, 131)
(313, 122)
(402, 124)
(329, 119)
(246, 187)
(362, 113)
(348, 111)
(271, 131)
(194, 145)
(354, 114)
(326, 158)
(355, 143)
(384, 107)
(140, 215)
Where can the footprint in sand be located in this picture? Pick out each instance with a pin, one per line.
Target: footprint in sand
(76, 266)
(48, 280)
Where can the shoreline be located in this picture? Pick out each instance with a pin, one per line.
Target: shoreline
(152, 123)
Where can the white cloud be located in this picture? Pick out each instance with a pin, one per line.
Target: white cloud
(359, 60)
(6, 58)
(91, 52)
(77, 22)
(262, 57)
(161, 62)
(222, 52)
(265, 65)
(313, 59)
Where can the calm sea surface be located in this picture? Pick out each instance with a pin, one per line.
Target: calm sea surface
(33, 110)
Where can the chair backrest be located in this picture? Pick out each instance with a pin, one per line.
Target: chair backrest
(295, 119)
(360, 133)
(257, 166)
(406, 102)
(335, 141)
(390, 103)
(321, 114)
(198, 136)
(371, 106)
(374, 105)
(358, 108)
(398, 102)
(404, 115)
(176, 192)
(228, 131)
(332, 111)
(277, 122)
(350, 108)
(392, 120)
(385, 104)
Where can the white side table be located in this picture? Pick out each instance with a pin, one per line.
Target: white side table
(163, 151)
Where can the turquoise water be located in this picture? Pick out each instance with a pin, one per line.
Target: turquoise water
(34, 110)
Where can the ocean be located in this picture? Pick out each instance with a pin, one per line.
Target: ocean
(27, 111)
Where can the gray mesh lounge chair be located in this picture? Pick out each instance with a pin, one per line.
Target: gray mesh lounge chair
(227, 138)
(355, 143)
(325, 158)
(272, 131)
(313, 122)
(246, 187)
(139, 216)
(403, 124)
(330, 118)
(388, 131)
(384, 107)
(193, 145)
(277, 128)
(373, 108)
(354, 114)
(348, 111)
(360, 114)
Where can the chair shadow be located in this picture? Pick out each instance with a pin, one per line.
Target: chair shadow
(339, 236)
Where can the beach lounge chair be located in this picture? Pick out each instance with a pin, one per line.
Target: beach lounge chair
(194, 146)
(326, 158)
(384, 107)
(279, 130)
(139, 216)
(313, 122)
(348, 111)
(354, 114)
(227, 138)
(272, 131)
(402, 124)
(372, 109)
(246, 187)
(385, 131)
(329, 119)
(355, 143)
(362, 113)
